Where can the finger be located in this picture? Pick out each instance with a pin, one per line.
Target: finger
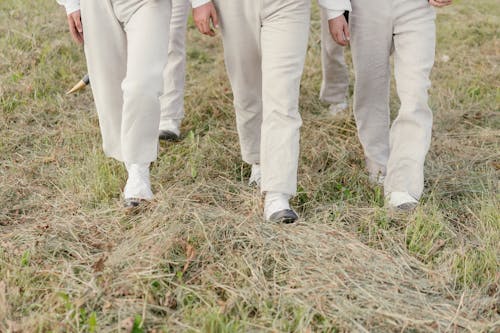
(72, 30)
(335, 37)
(205, 28)
(347, 33)
(75, 34)
(78, 23)
(215, 18)
(339, 38)
(78, 27)
(443, 3)
(199, 25)
(343, 40)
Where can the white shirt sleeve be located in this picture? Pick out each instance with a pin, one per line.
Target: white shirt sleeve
(198, 3)
(331, 14)
(70, 5)
(335, 8)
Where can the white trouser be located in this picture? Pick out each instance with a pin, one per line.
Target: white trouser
(172, 100)
(126, 46)
(335, 74)
(407, 28)
(265, 44)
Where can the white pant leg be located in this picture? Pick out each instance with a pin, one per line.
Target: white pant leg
(126, 52)
(106, 55)
(414, 48)
(265, 43)
(147, 33)
(240, 26)
(172, 100)
(284, 35)
(335, 81)
(371, 42)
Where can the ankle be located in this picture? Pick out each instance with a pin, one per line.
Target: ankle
(138, 184)
(255, 176)
(275, 202)
(137, 168)
(172, 125)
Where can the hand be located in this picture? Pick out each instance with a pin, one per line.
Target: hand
(440, 3)
(75, 26)
(203, 15)
(339, 29)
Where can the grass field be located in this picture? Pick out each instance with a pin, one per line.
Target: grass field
(201, 259)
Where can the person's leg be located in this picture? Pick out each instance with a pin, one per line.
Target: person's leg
(172, 100)
(147, 27)
(105, 52)
(147, 50)
(335, 81)
(285, 31)
(240, 26)
(414, 44)
(371, 42)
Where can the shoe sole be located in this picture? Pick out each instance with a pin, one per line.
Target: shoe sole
(286, 216)
(407, 207)
(168, 136)
(134, 206)
(402, 211)
(254, 183)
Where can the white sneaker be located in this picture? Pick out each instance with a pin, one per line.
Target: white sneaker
(255, 176)
(402, 201)
(170, 129)
(376, 179)
(277, 208)
(335, 109)
(138, 185)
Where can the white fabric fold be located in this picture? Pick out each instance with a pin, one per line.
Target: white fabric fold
(336, 5)
(198, 3)
(331, 14)
(70, 5)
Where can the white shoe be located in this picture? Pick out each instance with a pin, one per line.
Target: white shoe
(255, 176)
(170, 129)
(277, 208)
(138, 185)
(335, 109)
(376, 179)
(402, 201)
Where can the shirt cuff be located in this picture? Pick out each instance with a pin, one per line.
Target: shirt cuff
(340, 5)
(70, 5)
(331, 14)
(198, 3)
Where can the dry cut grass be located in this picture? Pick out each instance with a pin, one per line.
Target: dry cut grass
(201, 259)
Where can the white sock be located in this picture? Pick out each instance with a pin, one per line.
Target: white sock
(255, 175)
(138, 185)
(275, 202)
(172, 125)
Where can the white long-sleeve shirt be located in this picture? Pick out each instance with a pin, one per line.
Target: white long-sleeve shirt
(70, 5)
(334, 8)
